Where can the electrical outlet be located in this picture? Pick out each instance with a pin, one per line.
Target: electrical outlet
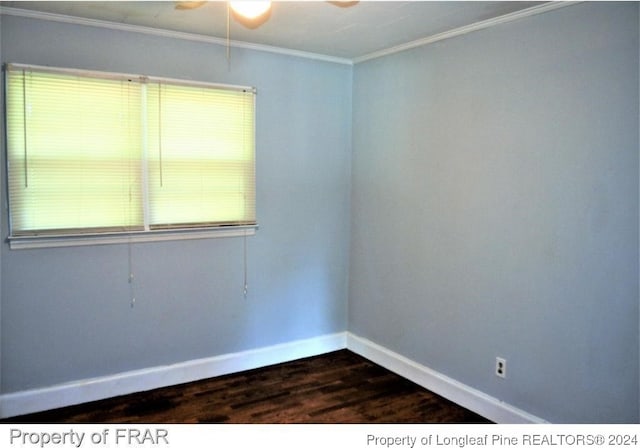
(501, 367)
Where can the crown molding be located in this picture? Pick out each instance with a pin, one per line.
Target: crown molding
(535, 10)
(30, 14)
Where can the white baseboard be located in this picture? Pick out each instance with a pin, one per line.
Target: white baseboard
(466, 396)
(83, 391)
(68, 394)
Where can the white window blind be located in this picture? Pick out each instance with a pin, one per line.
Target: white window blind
(102, 153)
(201, 156)
(73, 153)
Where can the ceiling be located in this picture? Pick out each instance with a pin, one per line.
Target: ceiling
(318, 27)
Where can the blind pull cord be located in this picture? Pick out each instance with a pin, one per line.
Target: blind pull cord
(132, 289)
(24, 118)
(160, 133)
(246, 282)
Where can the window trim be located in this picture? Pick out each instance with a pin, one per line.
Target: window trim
(89, 238)
(127, 76)
(93, 239)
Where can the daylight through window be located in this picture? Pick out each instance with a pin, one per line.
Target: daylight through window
(95, 153)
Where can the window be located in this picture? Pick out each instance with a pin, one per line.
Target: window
(108, 154)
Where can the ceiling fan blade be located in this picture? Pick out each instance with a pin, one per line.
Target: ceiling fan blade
(188, 5)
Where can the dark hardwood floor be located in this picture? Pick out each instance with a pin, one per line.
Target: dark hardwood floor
(339, 387)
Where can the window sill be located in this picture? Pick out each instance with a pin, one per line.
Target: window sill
(38, 242)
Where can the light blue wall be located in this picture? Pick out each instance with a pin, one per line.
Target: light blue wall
(495, 210)
(66, 312)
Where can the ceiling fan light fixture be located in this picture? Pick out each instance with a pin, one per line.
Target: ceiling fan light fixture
(250, 9)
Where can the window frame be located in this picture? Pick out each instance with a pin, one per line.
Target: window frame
(84, 237)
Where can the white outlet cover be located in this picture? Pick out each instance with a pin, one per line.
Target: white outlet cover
(501, 367)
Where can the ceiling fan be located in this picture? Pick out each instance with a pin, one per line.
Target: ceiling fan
(250, 13)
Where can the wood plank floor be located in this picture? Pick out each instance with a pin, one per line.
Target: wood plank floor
(338, 387)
